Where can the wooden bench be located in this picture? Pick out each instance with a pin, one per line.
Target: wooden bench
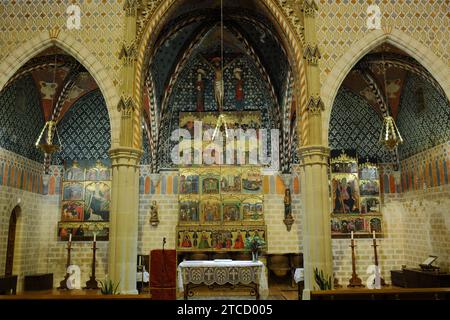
(383, 294)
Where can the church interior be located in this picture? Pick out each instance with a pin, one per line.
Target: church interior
(211, 149)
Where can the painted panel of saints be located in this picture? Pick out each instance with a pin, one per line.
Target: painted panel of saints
(72, 211)
(345, 193)
(251, 181)
(230, 181)
(231, 210)
(252, 209)
(188, 210)
(210, 209)
(210, 184)
(74, 172)
(73, 191)
(188, 183)
(97, 201)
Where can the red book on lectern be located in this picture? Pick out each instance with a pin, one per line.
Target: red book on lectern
(163, 274)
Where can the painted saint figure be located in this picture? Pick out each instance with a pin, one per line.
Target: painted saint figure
(200, 88)
(239, 89)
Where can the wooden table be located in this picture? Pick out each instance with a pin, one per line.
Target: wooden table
(232, 274)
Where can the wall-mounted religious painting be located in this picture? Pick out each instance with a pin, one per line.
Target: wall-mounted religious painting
(83, 231)
(210, 209)
(355, 195)
(252, 209)
(230, 180)
(189, 182)
(72, 211)
(188, 209)
(222, 205)
(73, 191)
(97, 201)
(74, 172)
(251, 180)
(86, 197)
(231, 209)
(212, 238)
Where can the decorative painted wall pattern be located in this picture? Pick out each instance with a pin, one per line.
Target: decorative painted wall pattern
(354, 124)
(85, 130)
(19, 172)
(184, 98)
(342, 23)
(21, 119)
(422, 127)
(20, 21)
(428, 169)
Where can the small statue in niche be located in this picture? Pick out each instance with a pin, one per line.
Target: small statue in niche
(154, 221)
(288, 220)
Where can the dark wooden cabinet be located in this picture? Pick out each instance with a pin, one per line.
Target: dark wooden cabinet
(38, 282)
(417, 278)
(8, 284)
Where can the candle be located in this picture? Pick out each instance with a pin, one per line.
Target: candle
(70, 237)
(373, 234)
(95, 236)
(140, 260)
(352, 235)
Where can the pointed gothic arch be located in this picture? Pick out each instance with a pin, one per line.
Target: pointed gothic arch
(290, 38)
(425, 56)
(72, 46)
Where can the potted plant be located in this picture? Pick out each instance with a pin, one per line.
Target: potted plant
(108, 286)
(321, 280)
(254, 244)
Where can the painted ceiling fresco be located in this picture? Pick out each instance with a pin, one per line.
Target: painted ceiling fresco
(60, 79)
(414, 98)
(369, 76)
(190, 41)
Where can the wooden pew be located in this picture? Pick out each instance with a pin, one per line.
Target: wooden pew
(383, 294)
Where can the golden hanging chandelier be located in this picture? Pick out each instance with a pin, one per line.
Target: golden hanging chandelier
(45, 139)
(390, 135)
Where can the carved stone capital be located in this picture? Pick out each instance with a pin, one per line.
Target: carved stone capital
(313, 155)
(131, 7)
(312, 54)
(315, 105)
(125, 156)
(310, 8)
(128, 53)
(126, 106)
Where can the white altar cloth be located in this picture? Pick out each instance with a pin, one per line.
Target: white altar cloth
(223, 271)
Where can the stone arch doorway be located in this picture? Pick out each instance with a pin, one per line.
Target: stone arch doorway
(11, 241)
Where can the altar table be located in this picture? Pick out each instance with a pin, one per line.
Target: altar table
(192, 274)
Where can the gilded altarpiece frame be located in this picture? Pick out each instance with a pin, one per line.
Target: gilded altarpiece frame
(229, 198)
(355, 197)
(86, 198)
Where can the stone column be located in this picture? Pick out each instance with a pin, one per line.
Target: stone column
(125, 160)
(124, 218)
(314, 166)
